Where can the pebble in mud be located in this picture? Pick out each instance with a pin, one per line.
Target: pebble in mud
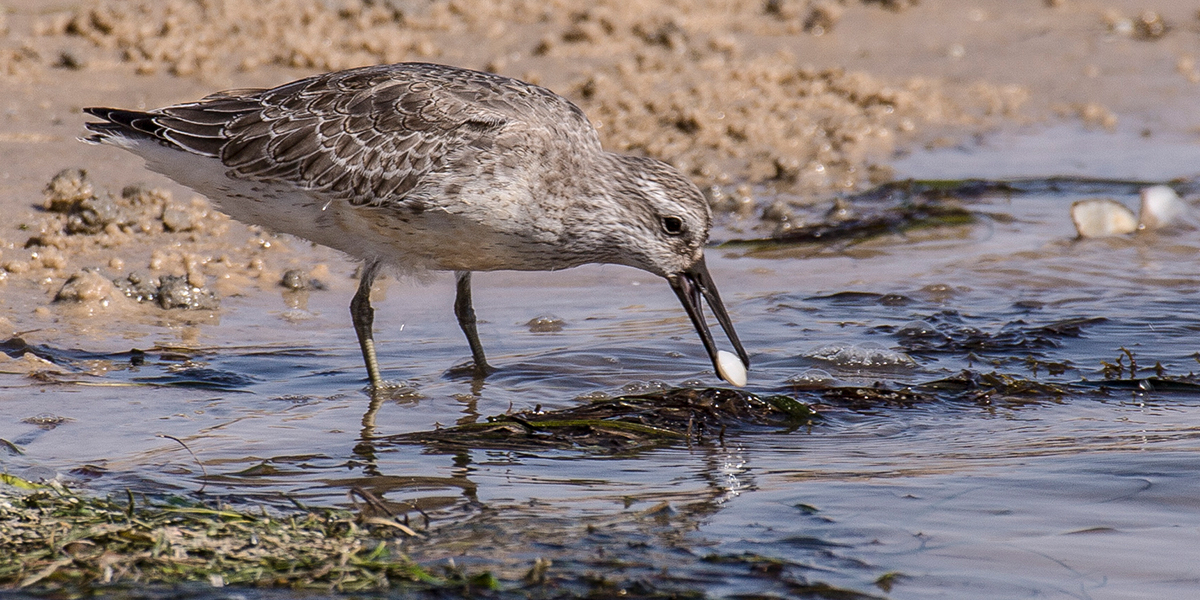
(296, 280)
(1150, 26)
(88, 286)
(177, 219)
(293, 279)
(79, 217)
(138, 286)
(66, 189)
(176, 292)
(816, 17)
(95, 214)
(822, 16)
(545, 324)
(176, 254)
(46, 421)
(169, 291)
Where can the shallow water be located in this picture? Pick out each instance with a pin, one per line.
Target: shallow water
(1093, 494)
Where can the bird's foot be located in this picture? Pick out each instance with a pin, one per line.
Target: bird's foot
(394, 390)
(470, 369)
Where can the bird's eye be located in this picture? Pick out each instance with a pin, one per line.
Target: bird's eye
(672, 225)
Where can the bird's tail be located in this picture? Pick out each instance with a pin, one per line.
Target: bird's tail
(119, 126)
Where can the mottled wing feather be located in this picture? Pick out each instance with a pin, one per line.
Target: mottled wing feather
(367, 135)
(199, 127)
(364, 135)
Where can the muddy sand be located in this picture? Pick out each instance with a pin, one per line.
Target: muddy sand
(767, 104)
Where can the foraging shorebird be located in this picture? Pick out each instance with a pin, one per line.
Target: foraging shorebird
(425, 166)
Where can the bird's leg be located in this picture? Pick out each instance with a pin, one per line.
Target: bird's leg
(466, 320)
(364, 317)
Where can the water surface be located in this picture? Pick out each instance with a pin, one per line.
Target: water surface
(1092, 493)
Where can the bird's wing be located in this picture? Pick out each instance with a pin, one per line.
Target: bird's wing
(364, 135)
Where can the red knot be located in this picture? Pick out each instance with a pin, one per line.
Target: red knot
(424, 166)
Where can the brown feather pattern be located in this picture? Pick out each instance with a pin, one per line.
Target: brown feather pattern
(369, 135)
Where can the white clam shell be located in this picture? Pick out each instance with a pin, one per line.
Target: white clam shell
(1102, 217)
(1161, 207)
(730, 368)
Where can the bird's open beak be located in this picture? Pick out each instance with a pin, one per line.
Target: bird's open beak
(690, 285)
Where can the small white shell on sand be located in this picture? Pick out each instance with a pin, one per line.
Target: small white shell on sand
(731, 368)
(1161, 207)
(1102, 217)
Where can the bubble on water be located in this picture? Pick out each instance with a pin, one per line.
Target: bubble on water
(644, 387)
(939, 292)
(398, 390)
(868, 355)
(592, 396)
(812, 379)
(920, 330)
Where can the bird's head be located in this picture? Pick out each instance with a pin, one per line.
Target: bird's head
(665, 226)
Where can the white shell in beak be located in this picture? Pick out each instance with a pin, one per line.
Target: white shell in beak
(731, 368)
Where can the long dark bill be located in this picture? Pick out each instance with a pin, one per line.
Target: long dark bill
(690, 285)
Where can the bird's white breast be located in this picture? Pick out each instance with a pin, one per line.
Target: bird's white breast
(479, 229)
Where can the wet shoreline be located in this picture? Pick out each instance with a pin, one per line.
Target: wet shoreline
(1000, 405)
